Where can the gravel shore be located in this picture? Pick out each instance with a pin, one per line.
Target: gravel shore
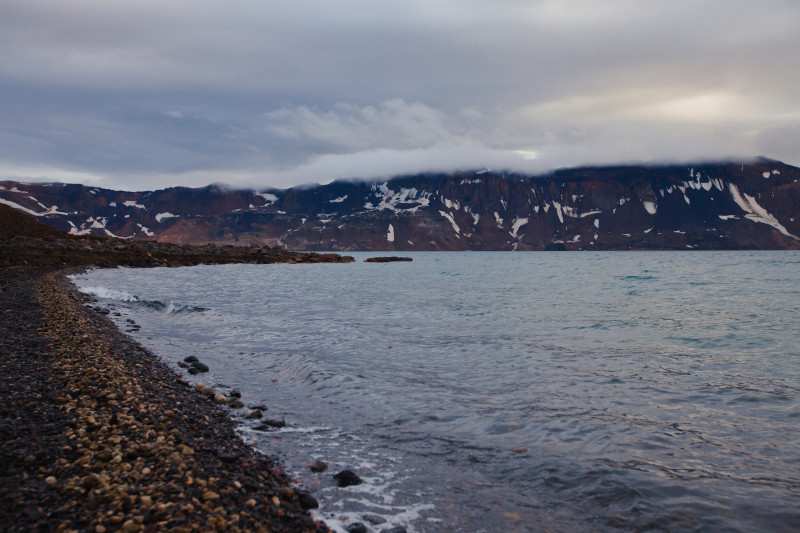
(96, 434)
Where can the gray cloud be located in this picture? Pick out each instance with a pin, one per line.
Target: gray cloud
(143, 94)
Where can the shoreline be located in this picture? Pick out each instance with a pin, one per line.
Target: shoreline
(98, 434)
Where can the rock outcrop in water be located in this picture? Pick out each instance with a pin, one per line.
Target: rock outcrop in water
(753, 205)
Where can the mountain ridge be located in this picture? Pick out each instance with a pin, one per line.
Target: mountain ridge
(728, 205)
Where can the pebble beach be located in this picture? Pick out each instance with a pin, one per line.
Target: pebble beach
(99, 435)
(96, 433)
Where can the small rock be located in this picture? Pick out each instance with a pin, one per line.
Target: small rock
(358, 527)
(236, 404)
(396, 529)
(202, 389)
(90, 481)
(50, 480)
(193, 371)
(520, 450)
(220, 398)
(185, 450)
(200, 366)
(236, 394)
(259, 407)
(268, 423)
(345, 478)
(287, 493)
(183, 365)
(227, 457)
(307, 501)
(210, 495)
(131, 527)
(191, 359)
(253, 414)
(318, 466)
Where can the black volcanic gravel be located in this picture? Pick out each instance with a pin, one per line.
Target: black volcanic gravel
(96, 434)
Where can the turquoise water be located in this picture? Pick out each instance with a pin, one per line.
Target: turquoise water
(507, 391)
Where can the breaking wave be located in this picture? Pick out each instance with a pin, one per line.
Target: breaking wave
(169, 307)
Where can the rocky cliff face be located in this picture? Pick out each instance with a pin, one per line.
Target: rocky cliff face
(705, 206)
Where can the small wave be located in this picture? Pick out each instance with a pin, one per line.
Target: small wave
(157, 305)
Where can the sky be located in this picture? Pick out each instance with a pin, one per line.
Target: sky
(144, 94)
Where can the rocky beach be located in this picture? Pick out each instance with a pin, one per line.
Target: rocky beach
(96, 433)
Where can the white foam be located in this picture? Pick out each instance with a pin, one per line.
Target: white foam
(110, 294)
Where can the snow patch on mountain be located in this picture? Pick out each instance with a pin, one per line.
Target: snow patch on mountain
(452, 221)
(269, 198)
(516, 225)
(161, 216)
(404, 201)
(755, 212)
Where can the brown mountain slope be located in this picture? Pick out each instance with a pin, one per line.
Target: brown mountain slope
(14, 222)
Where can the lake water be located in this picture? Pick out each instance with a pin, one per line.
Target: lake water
(506, 391)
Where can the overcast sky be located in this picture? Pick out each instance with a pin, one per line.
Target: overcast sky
(148, 94)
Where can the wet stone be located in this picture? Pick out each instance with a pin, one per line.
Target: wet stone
(200, 367)
(346, 478)
(307, 501)
(318, 466)
(253, 414)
